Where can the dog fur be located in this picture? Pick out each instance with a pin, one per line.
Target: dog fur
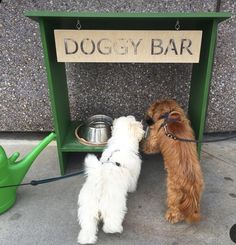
(184, 175)
(103, 196)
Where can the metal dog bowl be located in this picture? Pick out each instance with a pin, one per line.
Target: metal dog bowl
(95, 131)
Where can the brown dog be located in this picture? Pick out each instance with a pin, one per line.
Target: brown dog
(184, 177)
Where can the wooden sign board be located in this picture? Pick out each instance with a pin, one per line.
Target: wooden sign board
(118, 46)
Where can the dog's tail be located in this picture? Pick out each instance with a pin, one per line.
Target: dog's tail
(190, 203)
(91, 163)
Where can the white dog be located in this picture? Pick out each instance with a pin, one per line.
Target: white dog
(103, 196)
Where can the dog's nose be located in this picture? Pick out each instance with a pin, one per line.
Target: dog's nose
(149, 121)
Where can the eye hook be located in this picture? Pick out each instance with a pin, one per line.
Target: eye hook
(177, 25)
(78, 25)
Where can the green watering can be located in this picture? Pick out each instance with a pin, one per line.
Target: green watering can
(12, 172)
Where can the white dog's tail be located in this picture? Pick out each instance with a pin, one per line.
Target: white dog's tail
(91, 163)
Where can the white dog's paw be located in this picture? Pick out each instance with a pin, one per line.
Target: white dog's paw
(112, 228)
(86, 238)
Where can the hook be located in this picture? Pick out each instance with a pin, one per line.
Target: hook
(78, 25)
(177, 25)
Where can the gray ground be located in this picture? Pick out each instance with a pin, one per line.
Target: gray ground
(46, 214)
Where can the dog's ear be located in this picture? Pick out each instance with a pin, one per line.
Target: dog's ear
(175, 124)
(136, 129)
(175, 116)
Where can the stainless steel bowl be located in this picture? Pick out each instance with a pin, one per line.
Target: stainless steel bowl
(95, 131)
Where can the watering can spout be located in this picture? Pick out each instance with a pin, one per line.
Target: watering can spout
(20, 168)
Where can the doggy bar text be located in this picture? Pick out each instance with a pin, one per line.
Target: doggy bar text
(128, 46)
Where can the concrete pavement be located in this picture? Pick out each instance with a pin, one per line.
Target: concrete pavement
(47, 214)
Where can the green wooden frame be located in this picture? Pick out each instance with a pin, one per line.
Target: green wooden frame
(201, 72)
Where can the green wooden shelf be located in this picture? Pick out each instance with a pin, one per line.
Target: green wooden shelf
(71, 143)
(36, 15)
(56, 72)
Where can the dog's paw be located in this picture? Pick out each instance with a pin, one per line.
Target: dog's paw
(173, 216)
(112, 228)
(86, 238)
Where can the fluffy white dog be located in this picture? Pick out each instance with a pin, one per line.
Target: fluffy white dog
(103, 196)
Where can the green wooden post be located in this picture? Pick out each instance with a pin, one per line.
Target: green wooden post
(57, 87)
(200, 82)
(201, 73)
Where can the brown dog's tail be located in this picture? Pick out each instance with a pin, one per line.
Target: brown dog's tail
(190, 203)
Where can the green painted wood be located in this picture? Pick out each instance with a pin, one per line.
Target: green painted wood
(201, 73)
(128, 21)
(200, 83)
(57, 86)
(36, 15)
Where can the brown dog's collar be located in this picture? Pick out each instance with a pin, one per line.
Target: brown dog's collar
(150, 120)
(166, 118)
(165, 115)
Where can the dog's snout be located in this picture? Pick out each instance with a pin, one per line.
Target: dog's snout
(149, 121)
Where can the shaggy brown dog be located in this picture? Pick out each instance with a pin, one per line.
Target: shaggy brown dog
(184, 176)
